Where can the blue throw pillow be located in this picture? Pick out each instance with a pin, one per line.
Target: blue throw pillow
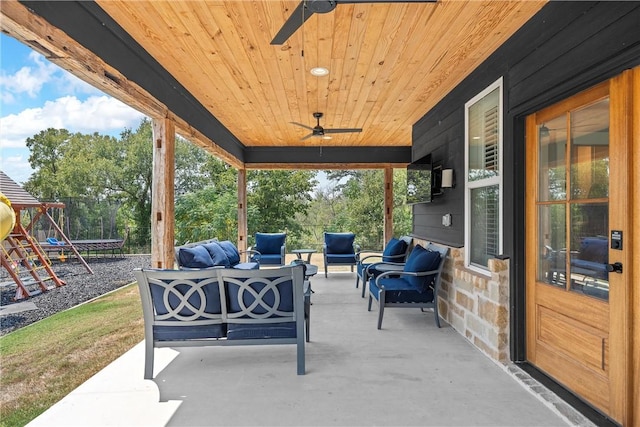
(195, 257)
(218, 256)
(394, 247)
(269, 243)
(231, 251)
(421, 260)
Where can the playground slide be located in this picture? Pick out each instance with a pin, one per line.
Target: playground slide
(7, 217)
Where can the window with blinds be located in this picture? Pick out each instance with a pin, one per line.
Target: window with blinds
(483, 184)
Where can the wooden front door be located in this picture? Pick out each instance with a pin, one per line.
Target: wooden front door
(579, 244)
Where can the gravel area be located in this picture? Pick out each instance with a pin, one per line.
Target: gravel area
(109, 274)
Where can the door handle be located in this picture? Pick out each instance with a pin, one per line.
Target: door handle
(616, 267)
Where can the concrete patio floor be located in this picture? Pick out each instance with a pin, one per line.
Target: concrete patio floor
(410, 373)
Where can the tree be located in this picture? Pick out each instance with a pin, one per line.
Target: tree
(276, 197)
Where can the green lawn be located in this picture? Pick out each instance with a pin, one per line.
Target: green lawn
(43, 362)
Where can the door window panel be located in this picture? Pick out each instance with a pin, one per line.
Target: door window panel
(574, 227)
(552, 174)
(552, 258)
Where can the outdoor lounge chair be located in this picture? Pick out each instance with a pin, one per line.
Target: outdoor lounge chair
(272, 248)
(396, 250)
(339, 249)
(415, 286)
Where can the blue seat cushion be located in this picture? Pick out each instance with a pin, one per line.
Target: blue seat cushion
(361, 267)
(195, 257)
(231, 251)
(218, 255)
(590, 268)
(190, 332)
(238, 331)
(339, 243)
(246, 266)
(421, 260)
(349, 259)
(400, 290)
(270, 259)
(394, 248)
(270, 243)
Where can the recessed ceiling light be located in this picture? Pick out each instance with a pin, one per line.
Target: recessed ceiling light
(326, 137)
(319, 71)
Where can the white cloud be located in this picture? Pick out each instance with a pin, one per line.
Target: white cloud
(29, 79)
(101, 114)
(16, 167)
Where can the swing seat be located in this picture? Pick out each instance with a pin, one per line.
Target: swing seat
(55, 242)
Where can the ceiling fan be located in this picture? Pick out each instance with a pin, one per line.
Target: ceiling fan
(306, 8)
(318, 130)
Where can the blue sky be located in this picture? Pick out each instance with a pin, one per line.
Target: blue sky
(36, 94)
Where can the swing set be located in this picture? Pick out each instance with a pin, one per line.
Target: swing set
(22, 256)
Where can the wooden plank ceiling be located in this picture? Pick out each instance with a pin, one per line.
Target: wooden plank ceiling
(389, 63)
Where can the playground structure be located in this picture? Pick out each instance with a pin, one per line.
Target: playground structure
(21, 252)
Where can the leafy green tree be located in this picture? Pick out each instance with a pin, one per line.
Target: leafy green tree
(357, 202)
(276, 197)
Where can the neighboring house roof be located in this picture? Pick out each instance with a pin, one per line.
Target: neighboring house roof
(18, 196)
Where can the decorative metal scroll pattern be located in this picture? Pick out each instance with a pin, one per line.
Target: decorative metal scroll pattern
(194, 314)
(258, 299)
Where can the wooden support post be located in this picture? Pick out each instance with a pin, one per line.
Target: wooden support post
(388, 204)
(162, 194)
(242, 210)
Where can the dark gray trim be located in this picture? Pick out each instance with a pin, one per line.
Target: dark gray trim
(294, 155)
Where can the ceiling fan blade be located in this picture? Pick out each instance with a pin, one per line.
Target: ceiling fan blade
(292, 24)
(342, 130)
(306, 137)
(300, 124)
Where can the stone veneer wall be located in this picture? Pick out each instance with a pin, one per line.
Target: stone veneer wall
(476, 305)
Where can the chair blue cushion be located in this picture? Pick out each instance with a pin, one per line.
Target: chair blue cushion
(421, 260)
(195, 257)
(231, 251)
(394, 247)
(218, 255)
(236, 331)
(246, 266)
(191, 332)
(399, 290)
(339, 243)
(270, 258)
(349, 259)
(270, 243)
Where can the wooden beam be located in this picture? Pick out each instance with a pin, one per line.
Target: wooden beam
(388, 204)
(162, 194)
(242, 210)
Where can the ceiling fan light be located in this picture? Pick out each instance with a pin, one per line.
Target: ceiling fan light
(319, 71)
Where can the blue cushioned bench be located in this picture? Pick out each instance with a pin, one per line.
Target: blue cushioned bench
(222, 306)
(214, 254)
